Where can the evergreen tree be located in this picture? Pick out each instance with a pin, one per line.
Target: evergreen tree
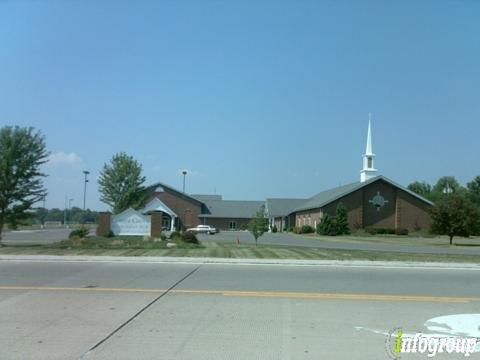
(326, 226)
(341, 220)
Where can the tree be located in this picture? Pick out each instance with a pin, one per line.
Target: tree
(473, 188)
(341, 220)
(121, 183)
(258, 225)
(421, 188)
(454, 215)
(327, 226)
(446, 185)
(22, 152)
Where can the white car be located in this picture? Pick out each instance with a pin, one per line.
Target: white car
(203, 229)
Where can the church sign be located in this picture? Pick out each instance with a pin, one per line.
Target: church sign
(131, 222)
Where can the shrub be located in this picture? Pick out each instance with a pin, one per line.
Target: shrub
(296, 230)
(175, 235)
(306, 229)
(380, 231)
(371, 230)
(189, 237)
(327, 226)
(401, 231)
(79, 233)
(274, 229)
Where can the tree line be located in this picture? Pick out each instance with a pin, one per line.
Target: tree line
(456, 210)
(73, 215)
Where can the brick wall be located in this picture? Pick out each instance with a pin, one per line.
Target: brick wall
(224, 223)
(413, 213)
(186, 208)
(156, 223)
(103, 228)
(401, 210)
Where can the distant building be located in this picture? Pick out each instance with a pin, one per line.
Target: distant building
(184, 210)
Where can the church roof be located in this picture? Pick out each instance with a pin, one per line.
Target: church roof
(206, 197)
(326, 197)
(157, 205)
(282, 207)
(231, 209)
(159, 187)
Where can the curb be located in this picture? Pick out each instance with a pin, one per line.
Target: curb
(235, 261)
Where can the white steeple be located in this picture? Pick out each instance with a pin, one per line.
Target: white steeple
(368, 170)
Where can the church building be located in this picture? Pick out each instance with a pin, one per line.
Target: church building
(374, 201)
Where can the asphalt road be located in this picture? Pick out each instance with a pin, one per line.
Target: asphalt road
(91, 310)
(294, 240)
(45, 236)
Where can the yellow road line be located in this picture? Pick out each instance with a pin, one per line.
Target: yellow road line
(267, 294)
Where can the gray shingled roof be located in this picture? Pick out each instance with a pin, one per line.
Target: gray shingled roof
(231, 208)
(282, 207)
(202, 197)
(328, 196)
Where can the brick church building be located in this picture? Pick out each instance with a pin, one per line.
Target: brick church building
(374, 201)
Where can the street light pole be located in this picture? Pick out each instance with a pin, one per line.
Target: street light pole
(65, 212)
(69, 208)
(85, 172)
(184, 172)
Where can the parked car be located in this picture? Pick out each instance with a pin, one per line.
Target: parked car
(203, 229)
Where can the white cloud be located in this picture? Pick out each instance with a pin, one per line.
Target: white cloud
(60, 158)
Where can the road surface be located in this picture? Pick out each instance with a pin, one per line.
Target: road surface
(91, 310)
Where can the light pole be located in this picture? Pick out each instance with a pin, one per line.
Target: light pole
(65, 212)
(184, 172)
(85, 172)
(69, 208)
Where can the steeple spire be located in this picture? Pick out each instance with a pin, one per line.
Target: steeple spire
(368, 170)
(368, 151)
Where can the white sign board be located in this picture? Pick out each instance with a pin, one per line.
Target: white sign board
(131, 222)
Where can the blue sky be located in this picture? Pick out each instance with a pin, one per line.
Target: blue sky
(255, 98)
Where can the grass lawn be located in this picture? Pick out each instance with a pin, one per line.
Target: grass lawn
(137, 246)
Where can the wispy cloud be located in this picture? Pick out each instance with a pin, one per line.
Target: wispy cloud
(61, 158)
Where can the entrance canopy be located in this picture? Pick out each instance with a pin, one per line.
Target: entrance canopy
(157, 205)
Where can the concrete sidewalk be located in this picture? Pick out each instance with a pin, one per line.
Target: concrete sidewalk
(276, 262)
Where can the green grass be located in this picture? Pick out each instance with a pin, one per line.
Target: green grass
(414, 239)
(137, 246)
